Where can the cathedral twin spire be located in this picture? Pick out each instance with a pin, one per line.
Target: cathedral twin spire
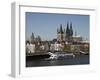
(68, 31)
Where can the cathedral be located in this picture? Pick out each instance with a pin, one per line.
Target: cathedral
(65, 34)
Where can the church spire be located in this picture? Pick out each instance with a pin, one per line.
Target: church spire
(67, 29)
(32, 36)
(61, 30)
(57, 30)
(71, 30)
(75, 33)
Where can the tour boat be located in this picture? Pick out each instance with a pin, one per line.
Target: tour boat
(60, 55)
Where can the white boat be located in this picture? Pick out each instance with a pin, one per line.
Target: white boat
(52, 56)
(82, 52)
(59, 55)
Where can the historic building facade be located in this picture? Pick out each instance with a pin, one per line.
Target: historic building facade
(64, 34)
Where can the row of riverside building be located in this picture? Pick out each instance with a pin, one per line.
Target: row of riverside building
(65, 38)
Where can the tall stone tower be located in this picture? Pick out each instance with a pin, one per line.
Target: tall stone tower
(32, 38)
(60, 34)
(65, 34)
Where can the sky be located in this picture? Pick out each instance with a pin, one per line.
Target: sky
(46, 24)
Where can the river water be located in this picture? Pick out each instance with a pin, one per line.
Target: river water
(77, 60)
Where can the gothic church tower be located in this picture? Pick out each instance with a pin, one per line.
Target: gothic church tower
(64, 35)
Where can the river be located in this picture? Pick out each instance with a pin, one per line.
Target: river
(77, 60)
